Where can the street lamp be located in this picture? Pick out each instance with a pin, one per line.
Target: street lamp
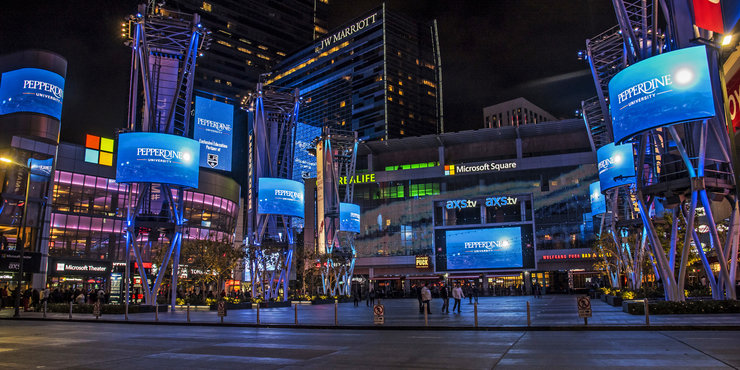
(21, 234)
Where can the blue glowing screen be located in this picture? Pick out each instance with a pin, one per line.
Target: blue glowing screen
(31, 90)
(213, 127)
(598, 203)
(349, 217)
(668, 88)
(280, 197)
(616, 165)
(488, 248)
(158, 158)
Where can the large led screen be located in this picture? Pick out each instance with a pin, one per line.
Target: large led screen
(159, 158)
(616, 165)
(502, 247)
(349, 217)
(668, 88)
(213, 128)
(598, 203)
(280, 197)
(31, 90)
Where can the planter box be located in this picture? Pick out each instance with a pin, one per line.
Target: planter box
(603, 297)
(106, 309)
(614, 300)
(233, 306)
(331, 301)
(274, 304)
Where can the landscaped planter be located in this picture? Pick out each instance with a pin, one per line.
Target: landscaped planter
(274, 304)
(614, 300)
(688, 307)
(603, 297)
(106, 309)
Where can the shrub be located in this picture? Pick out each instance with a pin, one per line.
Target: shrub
(688, 307)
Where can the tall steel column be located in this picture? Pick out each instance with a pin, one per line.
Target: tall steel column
(336, 156)
(271, 237)
(165, 45)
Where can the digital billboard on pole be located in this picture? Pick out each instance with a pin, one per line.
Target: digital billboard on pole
(214, 130)
(280, 197)
(158, 158)
(598, 203)
(665, 89)
(616, 165)
(31, 90)
(349, 217)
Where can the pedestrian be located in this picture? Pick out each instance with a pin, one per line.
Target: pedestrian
(474, 290)
(457, 295)
(417, 289)
(371, 296)
(426, 297)
(357, 297)
(444, 293)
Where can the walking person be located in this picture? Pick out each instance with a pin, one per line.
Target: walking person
(469, 292)
(457, 295)
(371, 296)
(444, 293)
(474, 292)
(426, 297)
(417, 290)
(357, 296)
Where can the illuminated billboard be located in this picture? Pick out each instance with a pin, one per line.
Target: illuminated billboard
(280, 197)
(500, 247)
(616, 165)
(31, 90)
(598, 203)
(668, 88)
(349, 217)
(213, 127)
(159, 158)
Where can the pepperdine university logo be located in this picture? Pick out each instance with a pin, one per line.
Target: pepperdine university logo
(56, 92)
(485, 246)
(163, 155)
(294, 195)
(214, 126)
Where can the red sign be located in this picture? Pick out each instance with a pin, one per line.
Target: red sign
(733, 99)
(708, 15)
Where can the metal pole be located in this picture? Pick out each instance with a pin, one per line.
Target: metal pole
(647, 311)
(156, 311)
(188, 310)
(529, 320)
(70, 310)
(22, 233)
(45, 309)
(426, 316)
(475, 310)
(295, 310)
(258, 313)
(336, 318)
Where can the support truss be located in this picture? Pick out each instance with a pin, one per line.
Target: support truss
(336, 157)
(272, 149)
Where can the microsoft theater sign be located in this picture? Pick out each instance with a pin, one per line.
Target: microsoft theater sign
(480, 167)
(348, 31)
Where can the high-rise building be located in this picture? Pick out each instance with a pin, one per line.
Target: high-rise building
(379, 75)
(249, 38)
(514, 112)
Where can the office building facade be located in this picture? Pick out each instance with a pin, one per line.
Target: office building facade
(378, 75)
(515, 112)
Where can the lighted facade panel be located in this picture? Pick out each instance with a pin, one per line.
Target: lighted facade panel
(378, 75)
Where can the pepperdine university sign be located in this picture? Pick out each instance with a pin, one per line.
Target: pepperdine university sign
(348, 31)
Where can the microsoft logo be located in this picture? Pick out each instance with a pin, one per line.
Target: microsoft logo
(449, 170)
(99, 150)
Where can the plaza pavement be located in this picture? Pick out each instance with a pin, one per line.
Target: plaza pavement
(551, 312)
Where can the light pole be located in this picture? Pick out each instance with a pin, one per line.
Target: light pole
(21, 239)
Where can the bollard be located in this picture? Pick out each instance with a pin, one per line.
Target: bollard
(647, 311)
(295, 310)
(426, 316)
(336, 318)
(156, 312)
(44, 309)
(188, 310)
(529, 321)
(70, 310)
(258, 313)
(125, 312)
(475, 310)
(222, 319)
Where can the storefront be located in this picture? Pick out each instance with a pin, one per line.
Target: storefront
(79, 274)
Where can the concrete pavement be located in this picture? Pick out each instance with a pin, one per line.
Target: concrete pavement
(85, 345)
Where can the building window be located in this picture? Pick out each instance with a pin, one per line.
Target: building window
(207, 7)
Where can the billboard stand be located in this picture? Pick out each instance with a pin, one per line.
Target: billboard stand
(336, 159)
(163, 43)
(271, 236)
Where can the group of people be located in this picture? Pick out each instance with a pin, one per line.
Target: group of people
(34, 299)
(424, 295)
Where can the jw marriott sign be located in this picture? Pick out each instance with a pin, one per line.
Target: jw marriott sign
(348, 31)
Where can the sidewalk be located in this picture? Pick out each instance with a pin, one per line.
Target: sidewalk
(554, 312)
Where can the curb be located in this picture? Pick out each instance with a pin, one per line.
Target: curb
(406, 327)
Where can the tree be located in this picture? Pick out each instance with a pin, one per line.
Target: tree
(210, 261)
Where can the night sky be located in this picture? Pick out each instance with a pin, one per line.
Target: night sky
(492, 51)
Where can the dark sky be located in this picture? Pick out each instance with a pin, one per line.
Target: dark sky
(492, 50)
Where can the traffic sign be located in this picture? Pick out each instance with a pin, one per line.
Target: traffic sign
(222, 308)
(379, 314)
(584, 306)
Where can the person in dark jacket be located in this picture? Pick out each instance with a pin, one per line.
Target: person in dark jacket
(444, 293)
